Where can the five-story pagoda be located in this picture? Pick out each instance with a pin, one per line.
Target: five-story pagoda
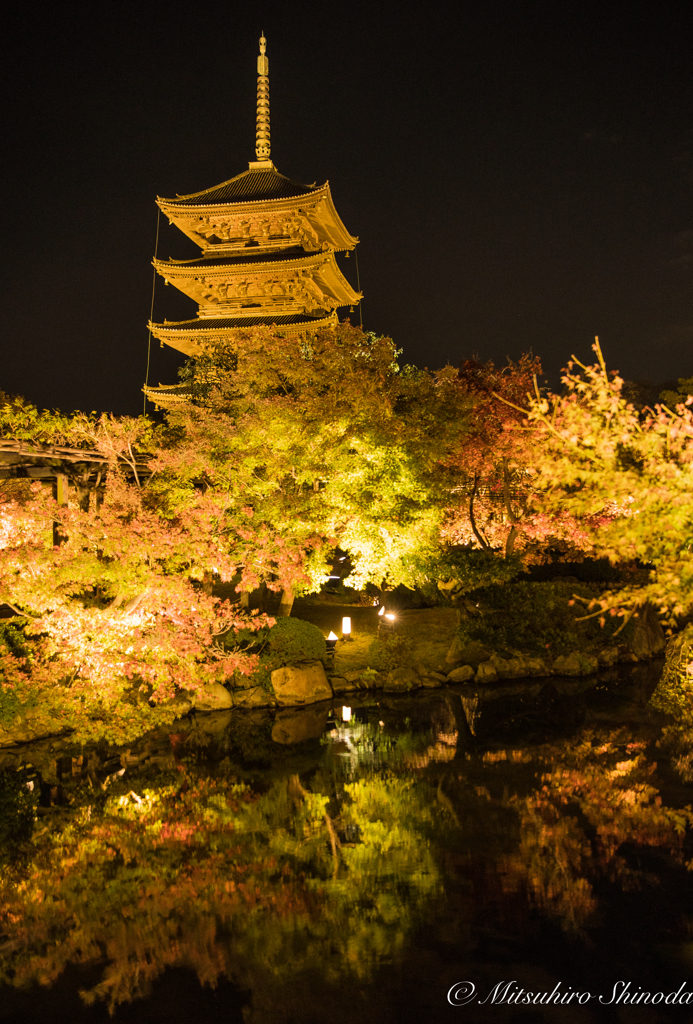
(268, 254)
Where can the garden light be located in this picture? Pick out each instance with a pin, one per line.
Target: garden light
(346, 628)
(346, 714)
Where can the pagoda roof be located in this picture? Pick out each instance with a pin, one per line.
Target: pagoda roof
(211, 324)
(239, 258)
(250, 186)
(269, 282)
(187, 335)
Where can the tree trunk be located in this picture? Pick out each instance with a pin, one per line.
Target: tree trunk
(60, 495)
(286, 604)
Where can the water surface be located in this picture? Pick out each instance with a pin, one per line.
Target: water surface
(357, 865)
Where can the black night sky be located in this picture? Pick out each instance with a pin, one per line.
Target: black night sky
(519, 174)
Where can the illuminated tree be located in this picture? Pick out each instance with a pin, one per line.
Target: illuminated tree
(625, 477)
(316, 443)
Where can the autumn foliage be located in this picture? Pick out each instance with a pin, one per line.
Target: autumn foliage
(291, 449)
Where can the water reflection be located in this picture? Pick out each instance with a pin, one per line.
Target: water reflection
(305, 852)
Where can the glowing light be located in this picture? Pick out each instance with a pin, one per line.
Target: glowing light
(346, 627)
(346, 714)
(382, 610)
(333, 636)
(390, 616)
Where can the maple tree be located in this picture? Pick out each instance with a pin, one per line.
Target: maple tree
(492, 458)
(328, 442)
(625, 478)
(115, 617)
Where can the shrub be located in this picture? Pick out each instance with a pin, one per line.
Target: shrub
(538, 618)
(390, 651)
(292, 640)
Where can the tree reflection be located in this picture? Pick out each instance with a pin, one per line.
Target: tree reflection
(207, 874)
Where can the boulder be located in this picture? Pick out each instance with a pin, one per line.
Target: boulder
(518, 667)
(181, 703)
(353, 675)
(648, 638)
(461, 675)
(608, 656)
(467, 654)
(214, 724)
(575, 664)
(502, 666)
(486, 672)
(402, 679)
(537, 667)
(303, 683)
(431, 682)
(213, 697)
(340, 684)
(439, 676)
(253, 697)
(299, 725)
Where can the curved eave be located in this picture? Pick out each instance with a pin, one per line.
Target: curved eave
(323, 266)
(339, 238)
(187, 336)
(185, 202)
(169, 396)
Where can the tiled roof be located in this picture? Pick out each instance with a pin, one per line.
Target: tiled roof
(249, 255)
(223, 323)
(246, 187)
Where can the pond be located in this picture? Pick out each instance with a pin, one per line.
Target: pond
(515, 853)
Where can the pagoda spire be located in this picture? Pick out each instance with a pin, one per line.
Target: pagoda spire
(262, 132)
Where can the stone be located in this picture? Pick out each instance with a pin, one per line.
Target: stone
(353, 675)
(537, 667)
(439, 676)
(254, 697)
(421, 669)
(213, 697)
(431, 682)
(340, 684)
(648, 638)
(467, 654)
(181, 703)
(608, 656)
(518, 667)
(501, 665)
(461, 675)
(486, 672)
(402, 679)
(575, 664)
(297, 726)
(215, 723)
(303, 683)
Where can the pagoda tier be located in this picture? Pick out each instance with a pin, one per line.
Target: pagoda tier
(263, 209)
(268, 256)
(266, 283)
(191, 336)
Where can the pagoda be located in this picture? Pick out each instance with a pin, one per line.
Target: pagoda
(268, 249)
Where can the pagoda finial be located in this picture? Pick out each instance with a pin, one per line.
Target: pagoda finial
(262, 132)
